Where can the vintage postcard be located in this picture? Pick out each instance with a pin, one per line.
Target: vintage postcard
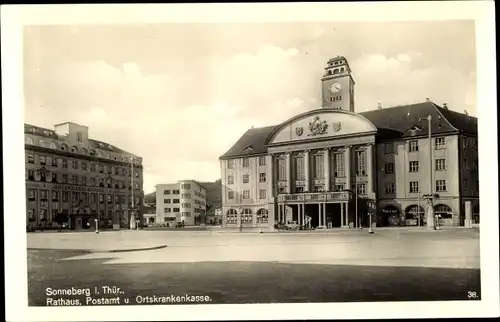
(250, 161)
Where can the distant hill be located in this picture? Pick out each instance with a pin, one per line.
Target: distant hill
(150, 198)
(214, 193)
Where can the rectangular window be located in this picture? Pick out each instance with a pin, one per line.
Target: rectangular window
(230, 164)
(262, 161)
(440, 164)
(176, 209)
(389, 168)
(186, 186)
(166, 192)
(230, 180)
(74, 179)
(31, 158)
(186, 205)
(390, 188)
(64, 164)
(175, 201)
(262, 177)
(389, 148)
(80, 136)
(361, 188)
(281, 169)
(360, 163)
(246, 194)
(246, 162)
(43, 160)
(439, 143)
(54, 162)
(281, 190)
(413, 145)
(230, 195)
(318, 167)
(65, 196)
(246, 178)
(166, 200)
(339, 164)
(299, 168)
(318, 189)
(166, 210)
(297, 190)
(339, 187)
(440, 185)
(175, 192)
(414, 187)
(74, 164)
(262, 194)
(466, 184)
(414, 166)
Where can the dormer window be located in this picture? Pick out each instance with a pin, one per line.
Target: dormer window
(74, 149)
(248, 149)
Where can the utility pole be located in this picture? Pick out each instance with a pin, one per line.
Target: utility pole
(131, 190)
(430, 212)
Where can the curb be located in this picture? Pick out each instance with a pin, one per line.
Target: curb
(127, 250)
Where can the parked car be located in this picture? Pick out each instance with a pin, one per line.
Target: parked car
(292, 225)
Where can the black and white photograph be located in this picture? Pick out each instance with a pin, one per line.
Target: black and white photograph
(250, 161)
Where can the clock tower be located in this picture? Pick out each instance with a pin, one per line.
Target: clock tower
(338, 85)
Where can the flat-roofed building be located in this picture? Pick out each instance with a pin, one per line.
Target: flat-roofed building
(183, 202)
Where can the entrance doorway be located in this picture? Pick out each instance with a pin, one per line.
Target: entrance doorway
(390, 217)
(415, 216)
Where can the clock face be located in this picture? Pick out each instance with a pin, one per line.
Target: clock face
(335, 87)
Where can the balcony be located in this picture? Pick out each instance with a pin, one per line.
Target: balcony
(316, 196)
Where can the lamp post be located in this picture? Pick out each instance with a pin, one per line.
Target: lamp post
(370, 230)
(96, 226)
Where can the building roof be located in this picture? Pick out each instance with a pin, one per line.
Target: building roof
(392, 123)
(94, 144)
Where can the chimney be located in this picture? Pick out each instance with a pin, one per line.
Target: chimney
(379, 106)
(466, 113)
(427, 99)
(445, 106)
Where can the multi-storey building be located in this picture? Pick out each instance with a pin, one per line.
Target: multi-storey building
(332, 166)
(182, 202)
(71, 176)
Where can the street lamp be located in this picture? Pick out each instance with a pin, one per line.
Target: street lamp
(371, 208)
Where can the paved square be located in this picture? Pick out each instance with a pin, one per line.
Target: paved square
(340, 266)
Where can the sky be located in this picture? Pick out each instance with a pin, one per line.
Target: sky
(180, 95)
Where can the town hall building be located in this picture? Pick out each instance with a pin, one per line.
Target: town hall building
(332, 167)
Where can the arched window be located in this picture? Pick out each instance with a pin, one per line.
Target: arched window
(262, 215)
(74, 149)
(231, 216)
(341, 69)
(42, 143)
(246, 215)
(64, 147)
(29, 140)
(335, 71)
(329, 72)
(52, 145)
(444, 211)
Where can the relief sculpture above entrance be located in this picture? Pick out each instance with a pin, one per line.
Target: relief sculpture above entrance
(317, 127)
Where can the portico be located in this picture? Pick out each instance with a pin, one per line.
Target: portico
(328, 209)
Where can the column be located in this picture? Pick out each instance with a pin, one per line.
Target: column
(347, 166)
(288, 173)
(299, 217)
(306, 171)
(324, 214)
(341, 214)
(326, 168)
(369, 169)
(320, 214)
(346, 222)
